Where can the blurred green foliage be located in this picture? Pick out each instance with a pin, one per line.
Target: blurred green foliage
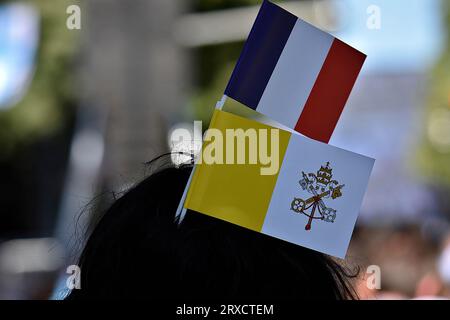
(50, 97)
(434, 160)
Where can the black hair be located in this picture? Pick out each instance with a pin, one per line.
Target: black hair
(139, 250)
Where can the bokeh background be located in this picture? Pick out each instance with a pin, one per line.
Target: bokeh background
(82, 110)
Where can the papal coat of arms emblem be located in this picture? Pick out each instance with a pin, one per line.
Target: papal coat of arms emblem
(321, 186)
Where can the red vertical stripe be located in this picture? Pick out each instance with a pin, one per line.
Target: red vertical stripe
(330, 91)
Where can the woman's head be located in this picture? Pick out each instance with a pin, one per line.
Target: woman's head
(138, 250)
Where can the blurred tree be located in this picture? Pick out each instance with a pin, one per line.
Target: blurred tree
(35, 133)
(47, 105)
(434, 152)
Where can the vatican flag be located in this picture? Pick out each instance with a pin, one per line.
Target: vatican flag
(279, 183)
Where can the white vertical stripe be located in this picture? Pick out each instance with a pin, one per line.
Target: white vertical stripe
(295, 73)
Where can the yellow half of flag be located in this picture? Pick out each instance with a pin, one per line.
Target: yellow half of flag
(237, 193)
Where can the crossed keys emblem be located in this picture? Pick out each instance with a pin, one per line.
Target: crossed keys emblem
(320, 186)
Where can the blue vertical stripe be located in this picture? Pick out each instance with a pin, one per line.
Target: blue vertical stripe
(260, 54)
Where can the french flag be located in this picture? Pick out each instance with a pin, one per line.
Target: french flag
(295, 73)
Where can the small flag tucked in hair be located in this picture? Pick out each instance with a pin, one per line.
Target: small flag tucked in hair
(279, 183)
(295, 73)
